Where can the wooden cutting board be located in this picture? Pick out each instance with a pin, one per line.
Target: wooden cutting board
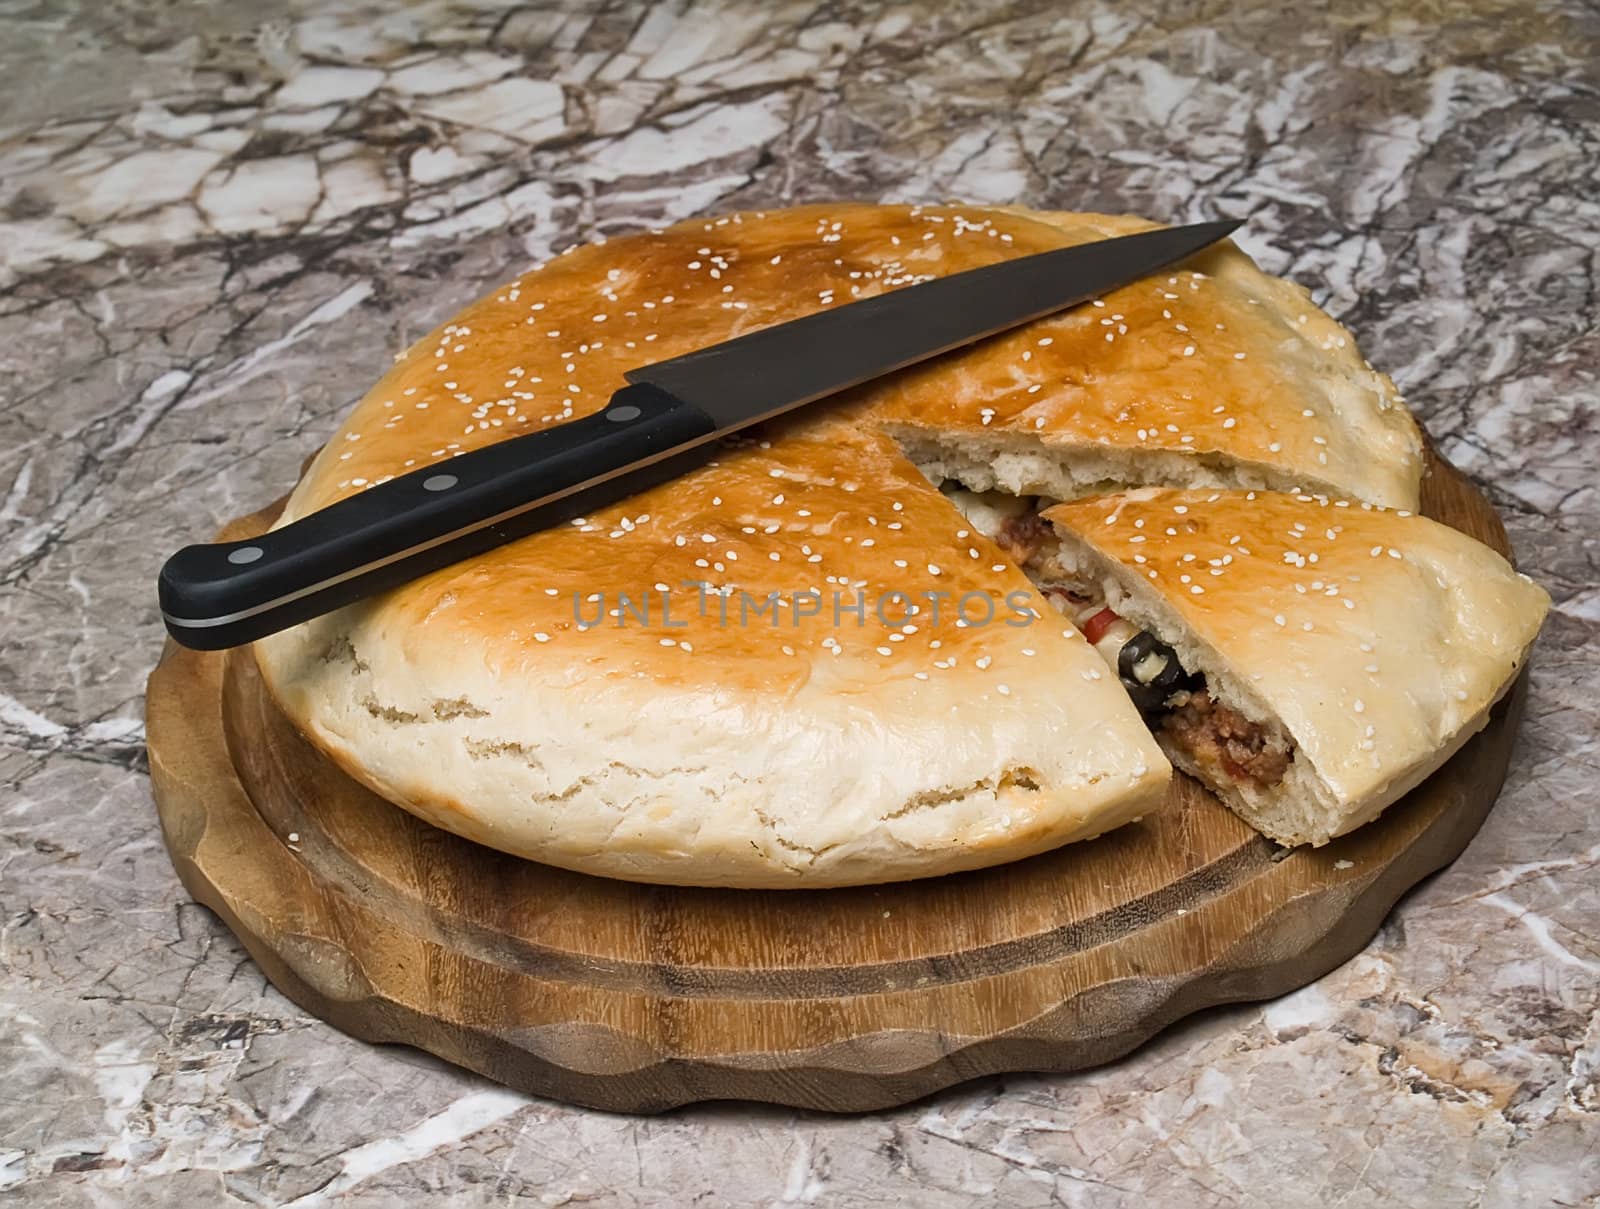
(639, 998)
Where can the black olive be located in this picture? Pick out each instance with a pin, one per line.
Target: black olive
(1152, 697)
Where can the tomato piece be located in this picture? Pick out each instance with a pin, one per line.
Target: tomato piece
(1095, 628)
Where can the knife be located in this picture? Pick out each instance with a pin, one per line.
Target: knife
(661, 425)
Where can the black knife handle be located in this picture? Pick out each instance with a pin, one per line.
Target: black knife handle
(221, 595)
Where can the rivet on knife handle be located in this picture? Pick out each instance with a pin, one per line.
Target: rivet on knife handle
(224, 594)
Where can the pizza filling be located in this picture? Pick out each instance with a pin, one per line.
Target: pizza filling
(1022, 537)
(1224, 743)
(1220, 742)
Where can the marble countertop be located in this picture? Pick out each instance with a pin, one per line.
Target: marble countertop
(219, 221)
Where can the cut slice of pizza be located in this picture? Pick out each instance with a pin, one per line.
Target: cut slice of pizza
(1310, 660)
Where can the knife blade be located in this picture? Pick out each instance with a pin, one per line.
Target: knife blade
(659, 426)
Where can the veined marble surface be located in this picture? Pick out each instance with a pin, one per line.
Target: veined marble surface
(219, 221)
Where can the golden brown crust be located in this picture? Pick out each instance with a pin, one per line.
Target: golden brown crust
(1237, 377)
(1378, 639)
(814, 749)
(554, 344)
(805, 754)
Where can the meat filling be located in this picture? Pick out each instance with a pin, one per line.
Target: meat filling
(1223, 743)
(1024, 536)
